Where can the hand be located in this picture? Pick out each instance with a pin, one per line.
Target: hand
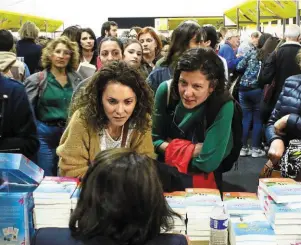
(197, 149)
(280, 125)
(276, 151)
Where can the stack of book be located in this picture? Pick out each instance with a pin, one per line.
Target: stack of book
(176, 201)
(239, 203)
(247, 223)
(251, 229)
(52, 201)
(282, 207)
(199, 205)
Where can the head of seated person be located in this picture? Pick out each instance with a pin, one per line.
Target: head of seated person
(121, 199)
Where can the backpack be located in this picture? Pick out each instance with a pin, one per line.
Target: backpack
(209, 118)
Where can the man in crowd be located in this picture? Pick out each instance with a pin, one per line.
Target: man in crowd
(280, 65)
(250, 43)
(18, 132)
(108, 29)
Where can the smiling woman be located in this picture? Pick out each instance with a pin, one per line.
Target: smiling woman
(50, 93)
(113, 112)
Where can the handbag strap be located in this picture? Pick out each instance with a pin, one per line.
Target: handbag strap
(124, 134)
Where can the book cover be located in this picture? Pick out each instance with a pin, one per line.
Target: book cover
(86, 70)
(285, 193)
(202, 199)
(242, 203)
(15, 225)
(58, 180)
(176, 200)
(250, 228)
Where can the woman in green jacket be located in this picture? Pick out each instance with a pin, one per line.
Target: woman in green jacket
(184, 106)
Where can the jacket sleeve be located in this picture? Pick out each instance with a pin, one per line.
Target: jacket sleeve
(275, 116)
(23, 125)
(293, 126)
(230, 57)
(73, 150)
(268, 70)
(214, 151)
(243, 64)
(144, 144)
(32, 88)
(160, 117)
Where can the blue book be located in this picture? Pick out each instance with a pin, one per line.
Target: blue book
(16, 225)
(16, 168)
(251, 228)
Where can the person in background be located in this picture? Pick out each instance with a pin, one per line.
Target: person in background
(152, 46)
(115, 111)
(9, 65)
(228, 52)
(71, 33)
(50, 92)
(134, 32)
(285, 122)
(280, 65)
(27, 48)
(223, 31)
(108, 29)
(249, 44)
(165, 49)
(250, 95)
(120, 185)
(110, 49)
(86, 41)
(187, 35)
(180, 109)
(133, 54)
(18, 131)
(219, 41)
(210, 40)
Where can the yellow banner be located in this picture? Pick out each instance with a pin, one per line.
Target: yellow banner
(13, 21)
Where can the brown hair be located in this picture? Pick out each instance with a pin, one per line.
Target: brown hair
(155, 36)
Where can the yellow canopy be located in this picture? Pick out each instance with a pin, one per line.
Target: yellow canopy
(13, 21)
(269, 10)
(164, 24)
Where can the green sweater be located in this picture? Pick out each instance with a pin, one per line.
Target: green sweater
(218, 141)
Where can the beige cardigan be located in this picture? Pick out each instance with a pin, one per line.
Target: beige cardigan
(80, 144)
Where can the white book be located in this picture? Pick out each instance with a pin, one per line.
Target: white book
(198, 221)
(287, 229)
(50, 226)
(199, 238)
(53, 207)
(288, 237)
(289, 242)
(86, 70)
(51, 201)
(202, 227)
(55, 190)
(198, 216)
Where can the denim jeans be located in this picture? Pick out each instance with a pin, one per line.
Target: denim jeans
(250, 104)
(49, 137)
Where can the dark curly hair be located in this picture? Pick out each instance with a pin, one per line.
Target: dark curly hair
(207, 62)
(121, 199)
(89, 101)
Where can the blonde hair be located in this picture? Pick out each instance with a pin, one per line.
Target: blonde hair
(29, 30)
(72, 46)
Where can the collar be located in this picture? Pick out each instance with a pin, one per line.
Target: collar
(291, 42)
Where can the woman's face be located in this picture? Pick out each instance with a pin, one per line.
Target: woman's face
(60, 56)
(133, 55)
(109, 51)
(164, 51)
(86, 41)
(194, 88)
(193, 43)
(148, 43)
(119, 102)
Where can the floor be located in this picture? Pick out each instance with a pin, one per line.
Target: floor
(245, 178)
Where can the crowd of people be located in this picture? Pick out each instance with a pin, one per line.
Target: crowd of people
(184, 104)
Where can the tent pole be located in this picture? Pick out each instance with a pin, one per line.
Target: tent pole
(237, 18)
(284, 23)
(297, 13)
(258, 15)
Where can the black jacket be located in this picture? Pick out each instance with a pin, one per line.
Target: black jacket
(17, 125)
(31, 52)
(62, 236)
(289, 102)
(280, 65)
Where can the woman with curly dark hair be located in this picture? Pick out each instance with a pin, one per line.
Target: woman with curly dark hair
(113, 112)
